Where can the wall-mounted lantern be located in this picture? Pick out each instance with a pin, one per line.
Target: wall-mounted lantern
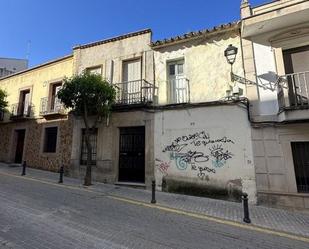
(230, 54)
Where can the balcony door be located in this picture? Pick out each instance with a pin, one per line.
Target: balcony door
(177, 83)
(131, 78)
(55, 102)
(24, 103)
(296, 62)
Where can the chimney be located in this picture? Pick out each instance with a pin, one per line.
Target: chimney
(245, 9)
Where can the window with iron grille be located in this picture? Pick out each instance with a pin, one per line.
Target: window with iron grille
(50, 139)
(300, 151)
(1, 115)
(93, 142)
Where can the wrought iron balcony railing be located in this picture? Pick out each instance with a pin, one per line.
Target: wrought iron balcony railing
(54, 106)
(134, 92)
(179, 90)
(293, 90)
(21, 110)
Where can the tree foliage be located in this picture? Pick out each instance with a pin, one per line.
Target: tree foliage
(88, 95)
(3, 102)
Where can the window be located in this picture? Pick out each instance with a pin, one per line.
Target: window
(24, 103)
(94, 70)
(93, 142)
(178, 90)
(55, 104)
(1, 115)
(50, 139)
(300, 151)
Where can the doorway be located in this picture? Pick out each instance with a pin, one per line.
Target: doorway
(300, 151)
(132, 154)
(20, 140)
(132, 83)
(296, 63)
(177, 83)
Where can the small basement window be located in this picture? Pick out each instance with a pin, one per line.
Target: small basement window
(50, 139)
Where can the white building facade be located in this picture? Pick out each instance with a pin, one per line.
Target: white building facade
(275, 45)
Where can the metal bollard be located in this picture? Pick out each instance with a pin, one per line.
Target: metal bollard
(246, 208)
(24, 165)
(153, 194)
(61, 171)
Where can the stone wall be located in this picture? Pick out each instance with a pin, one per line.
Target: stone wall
(33, 145)
(107, 166)
(275, 175)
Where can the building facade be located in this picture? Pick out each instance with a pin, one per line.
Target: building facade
(275, 44)
(202, 134)
(123, 144)
(36, 128)
(181, 116)
(10, 66)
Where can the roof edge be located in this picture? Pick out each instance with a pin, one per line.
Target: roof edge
(38, 66)
(112, 39)
(193, 35)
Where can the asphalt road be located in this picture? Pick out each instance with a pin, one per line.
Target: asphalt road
(38, 215)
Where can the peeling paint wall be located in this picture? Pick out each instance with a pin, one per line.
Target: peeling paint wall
(205, 66)
(210, 146)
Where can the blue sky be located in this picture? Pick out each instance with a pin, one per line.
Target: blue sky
(55, 26)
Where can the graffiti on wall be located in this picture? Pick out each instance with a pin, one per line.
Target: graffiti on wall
(162, 167)
(199, 152)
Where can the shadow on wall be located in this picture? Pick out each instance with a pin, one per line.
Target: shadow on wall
(268, 81)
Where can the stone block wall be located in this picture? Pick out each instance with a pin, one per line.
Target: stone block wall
(33, 145)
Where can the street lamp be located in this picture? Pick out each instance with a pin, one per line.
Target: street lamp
(230, 54)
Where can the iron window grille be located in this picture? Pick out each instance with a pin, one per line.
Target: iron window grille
(93, 142)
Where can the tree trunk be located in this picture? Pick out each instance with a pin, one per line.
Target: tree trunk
(87, 180)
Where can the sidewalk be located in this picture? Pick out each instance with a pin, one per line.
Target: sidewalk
(275, 219)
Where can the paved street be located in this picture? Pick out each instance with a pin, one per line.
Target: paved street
(38, 215)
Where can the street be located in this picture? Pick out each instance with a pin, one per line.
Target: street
(40, 215)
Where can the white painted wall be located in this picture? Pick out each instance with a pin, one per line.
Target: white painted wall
(226, 124)
(205, 66)
(266, 77)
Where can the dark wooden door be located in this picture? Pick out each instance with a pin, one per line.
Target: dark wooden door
(132, 154)
(19, 145)
(300, 152)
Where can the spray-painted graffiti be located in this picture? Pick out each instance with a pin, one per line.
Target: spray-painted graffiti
(162, 167)
(190, 157)
(194, 151)
(219, 155)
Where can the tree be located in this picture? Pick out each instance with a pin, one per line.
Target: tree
(3, 102)
(88, 95)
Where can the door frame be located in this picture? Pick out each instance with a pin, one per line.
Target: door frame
(119, 151)
(15, 142)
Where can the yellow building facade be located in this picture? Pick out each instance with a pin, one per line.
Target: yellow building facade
(36, 128)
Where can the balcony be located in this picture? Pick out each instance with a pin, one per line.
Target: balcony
(293, 96)
(179, 90)
(137, 92)
(21, 111)
(293, 91)
(51, 108)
